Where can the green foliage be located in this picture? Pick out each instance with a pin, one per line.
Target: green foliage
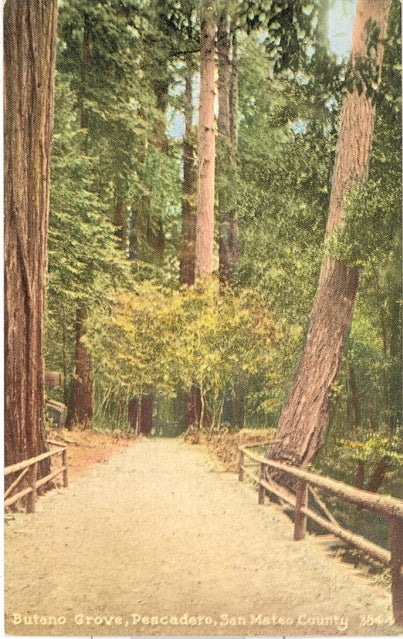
(369, 226)
(161, 340)
(84, 263)
(290, 28)
(145, 334)
(370, 237)
(286, 147)
(373, 449)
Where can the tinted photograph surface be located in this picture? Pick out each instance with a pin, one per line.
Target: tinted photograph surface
(202, 318)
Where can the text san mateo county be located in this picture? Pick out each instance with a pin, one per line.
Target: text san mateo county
(339, 622)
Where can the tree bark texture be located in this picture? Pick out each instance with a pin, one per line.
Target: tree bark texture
(206, 150)
(195, 415)
(188, 255)
(141, 414)
(80, 406)
(305, 415)
(29, 62)
(228, 249)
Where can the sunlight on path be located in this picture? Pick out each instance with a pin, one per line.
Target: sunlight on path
(158, 541)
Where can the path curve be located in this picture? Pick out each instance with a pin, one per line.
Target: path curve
(158, 540)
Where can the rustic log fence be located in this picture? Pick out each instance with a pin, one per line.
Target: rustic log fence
(29, 468)
(307, 482)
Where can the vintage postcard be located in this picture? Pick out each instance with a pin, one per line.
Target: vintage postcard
(202, 313)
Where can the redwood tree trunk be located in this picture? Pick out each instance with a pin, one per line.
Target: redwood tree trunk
(206, 150)
(29, 60)
(194, 410)
(305, 415)
(141, 414)
(224, 168)
(188, 256)
(80, 406)
(228, 251)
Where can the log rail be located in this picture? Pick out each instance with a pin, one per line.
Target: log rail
(308, 482)
(30, 467)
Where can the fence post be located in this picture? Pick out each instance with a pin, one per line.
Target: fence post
(64, 462)
(262, 490)
(31, 497)
(300, 517)
(396, 567)
(240, 465)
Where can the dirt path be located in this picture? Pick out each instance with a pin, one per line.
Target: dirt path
(158, 540)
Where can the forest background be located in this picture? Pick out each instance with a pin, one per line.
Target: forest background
(136, 338)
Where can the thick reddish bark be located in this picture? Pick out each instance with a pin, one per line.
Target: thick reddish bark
(305, 415)
(188, 256)
(80, 405)
(195, 412)
(29, 60)
(206, 150)
(377, 477)
(141, 415)
(228, 250)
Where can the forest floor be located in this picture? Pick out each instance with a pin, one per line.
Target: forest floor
(160, 539)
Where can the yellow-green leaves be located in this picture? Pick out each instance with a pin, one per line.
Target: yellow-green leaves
(164, 339)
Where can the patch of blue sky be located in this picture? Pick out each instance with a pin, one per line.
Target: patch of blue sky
(299, 126)
(341, 17)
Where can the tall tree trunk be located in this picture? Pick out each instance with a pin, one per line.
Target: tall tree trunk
(188, 256)
(206, 150)
(80, 406)
(305, 415)
(80, 403)
(191, 402)
(29, 61)
(224, 168)
(206, 174)
(378, 476)
(141, 414)
(197, 413)
(228, 250)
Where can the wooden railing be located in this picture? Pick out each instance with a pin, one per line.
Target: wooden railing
(307, 482)
(29, 467)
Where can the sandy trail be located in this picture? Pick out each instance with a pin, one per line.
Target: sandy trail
(159, 541)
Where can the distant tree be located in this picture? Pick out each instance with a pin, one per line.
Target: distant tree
(188, 240)
(206, 147)
(97, 53)
(226, 147)
(303, 420)
(29, 59)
